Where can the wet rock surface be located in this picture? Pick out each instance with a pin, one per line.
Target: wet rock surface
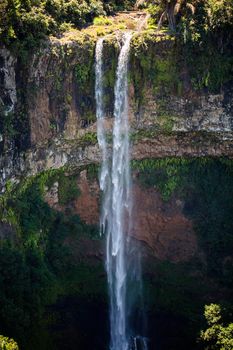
(160, 225)
(163, 226)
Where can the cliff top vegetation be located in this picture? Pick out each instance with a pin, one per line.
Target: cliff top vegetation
(31, 20)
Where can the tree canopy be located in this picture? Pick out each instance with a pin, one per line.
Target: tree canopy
(32, 20)
(8, 344)
(217, 336)
(214, 15)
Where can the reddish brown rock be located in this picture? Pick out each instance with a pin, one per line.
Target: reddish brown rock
(87, 204)
(40, 129)
(162, 226)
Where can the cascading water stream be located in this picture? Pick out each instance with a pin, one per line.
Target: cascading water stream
(101, 134)
(120, 205)
(116, 207)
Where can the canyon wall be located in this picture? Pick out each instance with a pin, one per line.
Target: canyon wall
(48, 106)
(181, 157)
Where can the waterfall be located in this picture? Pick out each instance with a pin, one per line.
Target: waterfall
(120, 205)
(115, 183)
(101, 133)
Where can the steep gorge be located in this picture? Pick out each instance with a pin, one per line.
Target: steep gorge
(182, 168)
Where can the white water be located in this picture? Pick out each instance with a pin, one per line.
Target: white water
(120, 206)
(101, 134)
(115, 183)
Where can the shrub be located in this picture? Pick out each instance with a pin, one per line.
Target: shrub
(102, 21)
(68, 189)
(8, 344)
(217, 336)
(27, 22)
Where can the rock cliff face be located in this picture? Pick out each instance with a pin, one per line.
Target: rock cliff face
(59, 106)
(48, 108)
(51, 101)
(182, 150)
(7, 80)
(163, 228)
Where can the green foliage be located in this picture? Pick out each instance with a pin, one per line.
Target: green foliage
(8, 344)
(212, 314)
(85, 281)
(143, 134)
(217, 336)
(92, 172)
(155, 64)
(67, 189)
(166, 75)
(203, 36)
(210, 71)
(219, 15)
(110, 54)
(31, 21)
(208, 44)
(155, 10)
(89, 138)
(25, 23)
(170, 289)
(207, 41)
(166, 174)
(29, 288)
(118, 5)
(196, 15)
(39, 259)
(28, 208)
(84, 73)
(102, 21)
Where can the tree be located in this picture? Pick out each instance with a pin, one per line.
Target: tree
(169, 10)
(216, 336)
(172, 9)
(8, 344)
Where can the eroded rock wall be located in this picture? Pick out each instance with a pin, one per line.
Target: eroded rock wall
(57, 110)
(183, 220)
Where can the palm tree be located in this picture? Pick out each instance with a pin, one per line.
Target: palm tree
(171, 9)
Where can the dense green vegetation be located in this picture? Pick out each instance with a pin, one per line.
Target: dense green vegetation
(191, 51)
(218, 336)
(203, 31)
(37, 264)
(45, 261)
(8, 344)
(26, 22)
(155, 64)
(67, 190)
